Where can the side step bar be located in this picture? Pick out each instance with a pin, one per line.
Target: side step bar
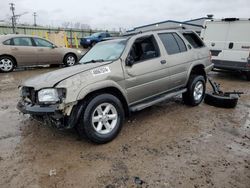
(155, 100)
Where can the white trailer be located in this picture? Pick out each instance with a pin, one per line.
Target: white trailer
(229, 42)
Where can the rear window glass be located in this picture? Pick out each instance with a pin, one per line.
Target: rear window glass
(194, 40)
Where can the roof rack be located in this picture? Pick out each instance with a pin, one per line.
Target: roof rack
(157, 29)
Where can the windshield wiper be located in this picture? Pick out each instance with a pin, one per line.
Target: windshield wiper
(94, 61)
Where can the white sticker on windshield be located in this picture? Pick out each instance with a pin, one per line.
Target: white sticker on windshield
(100, 70)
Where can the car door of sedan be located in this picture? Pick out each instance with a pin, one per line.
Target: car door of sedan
(46, 52)
(23, 50)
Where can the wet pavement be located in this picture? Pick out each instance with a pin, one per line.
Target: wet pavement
(167, 145)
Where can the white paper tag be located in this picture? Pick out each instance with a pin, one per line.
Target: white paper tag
(100, 71)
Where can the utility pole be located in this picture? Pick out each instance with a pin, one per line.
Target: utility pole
(35, 15)
(13, 18)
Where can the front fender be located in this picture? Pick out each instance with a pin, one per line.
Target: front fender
(98, 86)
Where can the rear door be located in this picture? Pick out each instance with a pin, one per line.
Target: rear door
(178, 58)
(46, 52)
(237, 44)
(24, 51)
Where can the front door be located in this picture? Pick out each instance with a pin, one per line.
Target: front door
(147, 76)
(46, 52)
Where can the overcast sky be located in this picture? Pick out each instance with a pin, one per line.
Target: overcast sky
(108, 14)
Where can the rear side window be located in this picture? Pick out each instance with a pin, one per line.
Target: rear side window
(172, 43)
(194, 40)
(22, 41)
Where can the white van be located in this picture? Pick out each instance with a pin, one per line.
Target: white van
(229, 42)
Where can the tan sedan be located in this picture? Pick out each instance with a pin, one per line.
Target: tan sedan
(25, 50)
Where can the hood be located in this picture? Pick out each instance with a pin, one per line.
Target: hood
(50, 79)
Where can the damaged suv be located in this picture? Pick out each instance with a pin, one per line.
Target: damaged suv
(117, 77)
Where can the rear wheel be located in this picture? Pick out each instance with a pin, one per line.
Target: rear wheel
(195, 90)
(70, 60)
(102, 119)
(7, 64)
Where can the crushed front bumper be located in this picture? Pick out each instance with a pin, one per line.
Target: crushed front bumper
(26, 108)
(50, 115)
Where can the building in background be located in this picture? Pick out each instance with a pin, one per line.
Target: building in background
(194, 24)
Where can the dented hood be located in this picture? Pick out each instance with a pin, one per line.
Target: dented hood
(50, 79)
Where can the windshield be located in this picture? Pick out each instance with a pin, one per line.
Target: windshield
(95, 34)
(106, 51)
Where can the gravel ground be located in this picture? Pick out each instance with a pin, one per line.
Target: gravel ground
(167, 145)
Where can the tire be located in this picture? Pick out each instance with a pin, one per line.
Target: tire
(7, 64)
(221, 101)
(196, 89)
(93, 123)
(70, 60)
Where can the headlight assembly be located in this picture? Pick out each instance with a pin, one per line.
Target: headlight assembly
(50, 95)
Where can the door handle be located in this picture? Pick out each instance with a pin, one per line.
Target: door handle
(163, 61)
(14, 48)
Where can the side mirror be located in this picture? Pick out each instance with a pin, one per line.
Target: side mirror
(129, 60)
(53, 46)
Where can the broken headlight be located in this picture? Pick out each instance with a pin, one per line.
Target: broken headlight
(50, 95)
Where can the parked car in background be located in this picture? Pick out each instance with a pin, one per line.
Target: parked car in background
(229, 42)
(25, 50)
(117, 77)
(93, 39)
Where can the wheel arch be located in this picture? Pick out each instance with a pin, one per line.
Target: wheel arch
(198, 69)
(70, 53)
(109, 90)
(15, 61)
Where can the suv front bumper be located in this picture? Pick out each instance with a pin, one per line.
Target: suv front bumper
(36, 109)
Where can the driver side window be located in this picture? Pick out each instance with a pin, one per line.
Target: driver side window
(42, 43)
(144, 48)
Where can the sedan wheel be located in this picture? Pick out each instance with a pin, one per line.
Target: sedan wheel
(6, 64)
(70, 60)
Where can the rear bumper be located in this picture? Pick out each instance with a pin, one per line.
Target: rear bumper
(232, 65)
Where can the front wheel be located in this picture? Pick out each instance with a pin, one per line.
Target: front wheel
(7, 64)
(195, 90)
(102, 119)
(70, 60)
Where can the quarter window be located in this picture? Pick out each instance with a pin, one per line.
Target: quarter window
(7, 42)
(194, 40)
(22, 41)
(42, 43)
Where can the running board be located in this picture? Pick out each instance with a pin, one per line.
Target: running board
(156, 100)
